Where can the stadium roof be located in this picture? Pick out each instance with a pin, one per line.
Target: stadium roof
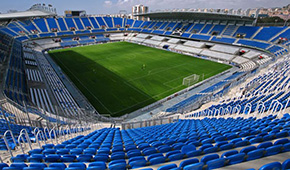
(24, 15)
(191, 16)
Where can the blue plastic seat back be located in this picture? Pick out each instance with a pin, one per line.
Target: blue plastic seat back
(273, 150)
(167, 167)
(286, 164)
(247, 149)
(118, 166)
(229, 153)
(195, 166)
(176, 156)
(138, 163)
(60, 166)
(265, 145)
(157, 160)
(236, 158)
(216, 163)
(271, 166)
(188, 162)
(255, 154)
(188, 148)
(207, 158)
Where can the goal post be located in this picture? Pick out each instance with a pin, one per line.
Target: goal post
(190, 80)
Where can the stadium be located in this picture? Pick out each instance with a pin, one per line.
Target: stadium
(171, 90)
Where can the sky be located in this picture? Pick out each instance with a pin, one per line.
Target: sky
(114, 6)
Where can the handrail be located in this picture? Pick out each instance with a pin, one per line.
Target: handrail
(281, 106)
(6, 142)
(68, 130)
(284, 110)
(55, 136)
(44, 131)
(248, 105)
(239, 107)
(19, 142)
(273, 101)
(24, 131)
(43, 138)
(62, 133)
(35, 131)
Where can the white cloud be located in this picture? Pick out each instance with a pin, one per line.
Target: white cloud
(108, 3)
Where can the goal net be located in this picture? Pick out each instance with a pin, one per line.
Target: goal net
(190, 80)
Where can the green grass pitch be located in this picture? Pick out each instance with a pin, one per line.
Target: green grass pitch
(118, 78)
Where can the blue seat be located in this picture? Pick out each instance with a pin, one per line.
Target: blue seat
(134, 154)
(59, 166)
(3, 165)
(62, 151)
(286, 147)
(76, 151)
(38, 165)
(100, 164)
(167, 167)
(210, 150)
(67, 158)
(188, 162)
(138, 163)
(30, 168)
(18, 165)
(80, 166)
(11, 168)
(236, 158)
(84, 158)
(207, 158)
(188, 148)
(171, 153)
(282, 134)
(286, 164)
(19, 158)
(255, 154)
(35, 151)
(176, 156)
(227, 146)
(271, 166)
(216, 163)
(195, 166)
(247, 149)
(149, 151)
(256, 140)
(281, 141)
(35, 158)
(101, 157)
(118, 166)
(157, 160)
(48, 146)
(265, 145)
(218, 144)
(49, 151)
(52, 158)
(194, 153)
(178, 146)
(273, 150)
(96, 168)
(154, 156)
(242, 143)
(229, 153)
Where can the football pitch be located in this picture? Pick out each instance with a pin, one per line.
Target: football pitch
(121, 77)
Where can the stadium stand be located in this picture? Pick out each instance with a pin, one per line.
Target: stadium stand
(249, 127)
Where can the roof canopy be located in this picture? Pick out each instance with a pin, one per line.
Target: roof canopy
(194, 16)
(24, 15)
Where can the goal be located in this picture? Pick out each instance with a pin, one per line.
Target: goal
(190, 80)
